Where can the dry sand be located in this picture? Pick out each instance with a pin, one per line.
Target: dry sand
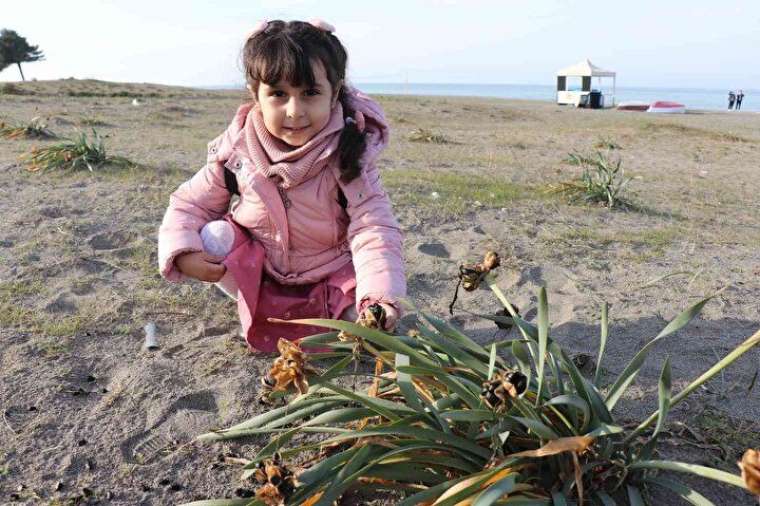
(83, 407)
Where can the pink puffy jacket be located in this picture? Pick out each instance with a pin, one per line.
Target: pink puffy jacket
(311, 238)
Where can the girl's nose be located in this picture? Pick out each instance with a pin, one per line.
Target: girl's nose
(294, 108)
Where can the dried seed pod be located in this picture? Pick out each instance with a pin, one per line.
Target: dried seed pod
(276, 479)
(471, 275)
(750, 466)
(504, 386)
(584, 362)
(270, 495)
(491, 260)
(289, 368)
(373, 317)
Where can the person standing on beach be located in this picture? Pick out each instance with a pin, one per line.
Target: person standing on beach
(731, 100)
(313, 233)
(739, 98)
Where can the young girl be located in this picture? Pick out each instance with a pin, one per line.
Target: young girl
(312, 234)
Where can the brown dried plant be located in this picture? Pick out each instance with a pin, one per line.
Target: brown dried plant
(471, 275)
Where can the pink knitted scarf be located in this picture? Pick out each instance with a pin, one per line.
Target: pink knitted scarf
(291, 166)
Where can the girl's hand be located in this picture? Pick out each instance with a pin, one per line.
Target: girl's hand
(201, 265)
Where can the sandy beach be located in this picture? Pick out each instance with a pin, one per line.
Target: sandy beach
(89, 417)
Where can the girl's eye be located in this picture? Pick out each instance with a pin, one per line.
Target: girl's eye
(312, 92)
(278, 93)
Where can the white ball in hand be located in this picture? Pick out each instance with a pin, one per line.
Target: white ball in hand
(217, 237)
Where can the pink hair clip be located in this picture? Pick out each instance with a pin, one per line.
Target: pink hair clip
(260, 27)
(322, 25)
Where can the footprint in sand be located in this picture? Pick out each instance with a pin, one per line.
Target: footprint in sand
(108, 240)
(435, 249)
(62, 303)
(51, 212)
(562, 291)
(176, 425)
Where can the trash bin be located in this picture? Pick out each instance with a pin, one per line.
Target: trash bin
(595, 100)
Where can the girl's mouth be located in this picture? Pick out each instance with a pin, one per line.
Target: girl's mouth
(294, 130)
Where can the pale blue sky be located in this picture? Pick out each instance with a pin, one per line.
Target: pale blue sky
(694, 43)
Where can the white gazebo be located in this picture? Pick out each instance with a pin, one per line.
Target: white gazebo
(586, 71)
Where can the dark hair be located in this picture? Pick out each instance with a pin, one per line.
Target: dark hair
(286, 51)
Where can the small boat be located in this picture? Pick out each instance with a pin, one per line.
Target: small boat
(667, 107)
(633, 106)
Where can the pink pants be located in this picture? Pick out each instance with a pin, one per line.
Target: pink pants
(260, 297)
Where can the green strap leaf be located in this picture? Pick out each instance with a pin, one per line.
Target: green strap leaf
(334, 370)
(634, 496)
(327, 337)
(456, 386)
(577, 403)
(272, 447)
(225, 502)
(455, 334)
(605, 430)
(537, 427)
(559, 499)
(340, 415)
(419, 433)
(527, 330)
(521, 354)
(492, 361)
(585, 388)
(324, 468)
(303, 413)
(376, 337)
(404, 381)
(467, 491)
(602, 341)
(429, 494)
(634, 366)
(664, 397)
(682, 467)
(394, 464)
(380, 406)
(496, 490)
(456, 351)
(341, 481)
(737, 352)
(469, 415)
(524, 501)
(264, 418)
(605, 498)
(406, 473)
(543, 336)
(686, 493)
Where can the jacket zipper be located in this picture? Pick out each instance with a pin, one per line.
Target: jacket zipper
(284, 196)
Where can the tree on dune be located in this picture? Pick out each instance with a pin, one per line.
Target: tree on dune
(15, 49)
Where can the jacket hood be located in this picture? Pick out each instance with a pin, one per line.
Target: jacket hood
(378, 133)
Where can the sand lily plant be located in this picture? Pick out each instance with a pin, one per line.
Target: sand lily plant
(35, 129)
(601, 182)
(446, 421)
(82, 153)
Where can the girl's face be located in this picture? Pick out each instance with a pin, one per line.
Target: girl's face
(295, 114)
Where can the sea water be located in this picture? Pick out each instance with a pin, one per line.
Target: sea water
(692, 98)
